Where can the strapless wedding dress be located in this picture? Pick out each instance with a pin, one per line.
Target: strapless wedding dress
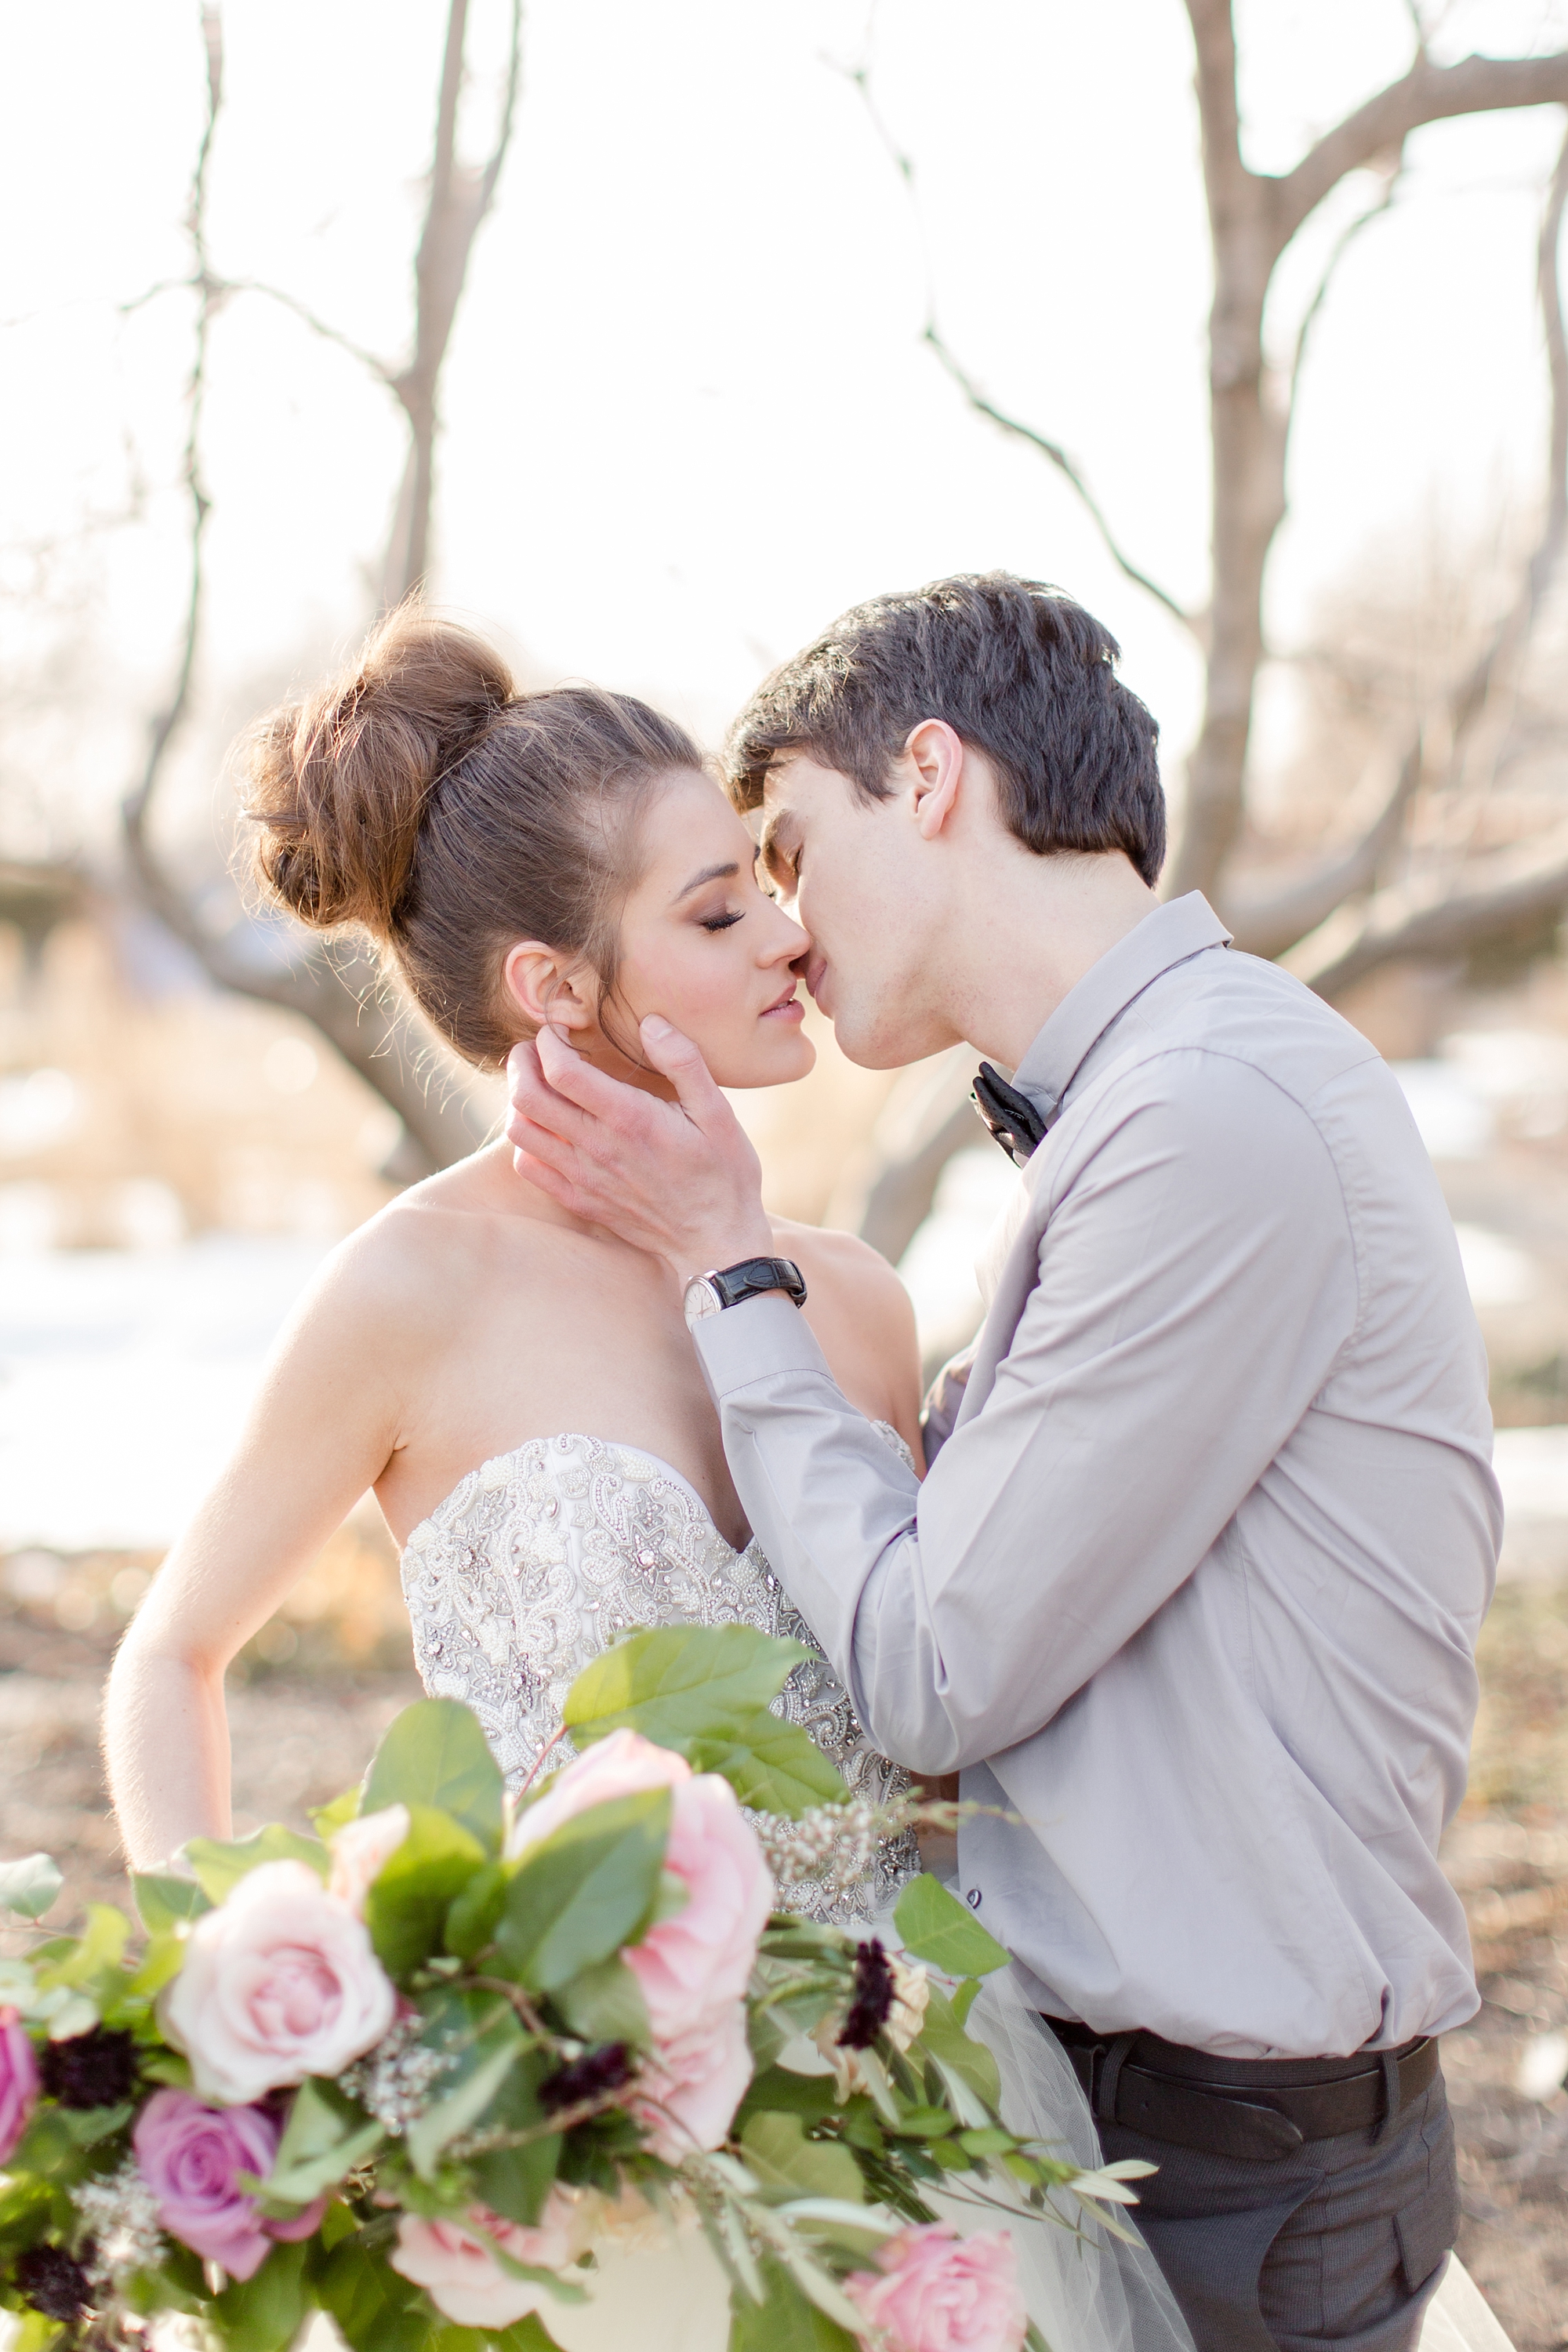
(535, 1563)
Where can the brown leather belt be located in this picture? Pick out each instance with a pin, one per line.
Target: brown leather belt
(1260, 2108)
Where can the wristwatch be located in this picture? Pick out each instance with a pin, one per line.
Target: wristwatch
(709, 1294)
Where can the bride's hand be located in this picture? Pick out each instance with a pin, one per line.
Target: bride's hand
(676, 1178)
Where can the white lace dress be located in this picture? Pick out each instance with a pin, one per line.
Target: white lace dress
(535, 1563)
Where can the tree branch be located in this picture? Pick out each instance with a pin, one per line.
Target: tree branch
(342, 993)
(1268, 923)
(1340, 246)
(460, 196)
(1512, 892)
(1427, 93)
(903, 164)
(168, 721)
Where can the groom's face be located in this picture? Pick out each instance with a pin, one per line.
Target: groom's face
(849, 872)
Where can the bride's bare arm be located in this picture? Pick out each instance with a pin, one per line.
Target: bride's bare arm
(864, 1323)
(321, 1431)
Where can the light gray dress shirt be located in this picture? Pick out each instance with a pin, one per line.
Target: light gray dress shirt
(1193, 1587)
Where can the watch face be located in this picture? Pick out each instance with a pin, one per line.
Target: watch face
(702, 1300)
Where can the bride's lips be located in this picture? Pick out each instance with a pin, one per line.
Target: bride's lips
(786, 1006)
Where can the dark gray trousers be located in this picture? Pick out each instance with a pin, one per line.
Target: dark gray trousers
(1340, 2243)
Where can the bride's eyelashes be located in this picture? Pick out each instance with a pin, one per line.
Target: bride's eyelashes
(719, 922)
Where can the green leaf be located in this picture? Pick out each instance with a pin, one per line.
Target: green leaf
(170, 2067)
(475, 1914)
(936, 1927)
(772, 1765)
(703, 1691)
(964, 1997)
(650, 1680)
(435, 1754)
(325, 2136)
(376, 2309)
(784, 2162)
(329, 1819)
(479, 2037)
(161, 1960)
(99, 1948)
(30, 1885)
(584, 1891)
(161, 1898)
(515, 2181)
(406, 1909)
(220, 1863)
(774, 2090)
(965, 2061)
(264, 2312)
(785, 2321)
(606, 2004)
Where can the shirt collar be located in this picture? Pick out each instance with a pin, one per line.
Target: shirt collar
(1180, 929)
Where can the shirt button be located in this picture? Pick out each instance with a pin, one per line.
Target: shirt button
(973, 1898)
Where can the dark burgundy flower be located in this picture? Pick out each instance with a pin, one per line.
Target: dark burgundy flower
(873, 1999)
(53, 2282)
(588, 2077)
(90, 2070)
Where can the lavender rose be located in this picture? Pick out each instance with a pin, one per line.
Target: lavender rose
(18, 2080)
(279, 1983)
(191, 2156)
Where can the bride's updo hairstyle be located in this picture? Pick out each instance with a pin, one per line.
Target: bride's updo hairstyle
(421, 797)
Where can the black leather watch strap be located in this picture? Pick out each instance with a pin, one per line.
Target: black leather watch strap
(755, 1275)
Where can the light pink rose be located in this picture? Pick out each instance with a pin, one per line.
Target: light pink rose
(279, 1983)
(19, 2079)
(191, 2155)
(698, 1962)
(463, 2278)
(935, 2292)
(360, 1850)
(690, 2088)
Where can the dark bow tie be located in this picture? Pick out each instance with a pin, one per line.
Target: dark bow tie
(1010, 1115)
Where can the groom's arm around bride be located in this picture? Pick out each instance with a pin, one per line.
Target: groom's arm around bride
(1192, 1590)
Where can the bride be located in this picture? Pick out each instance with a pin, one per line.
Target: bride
(518, 1388)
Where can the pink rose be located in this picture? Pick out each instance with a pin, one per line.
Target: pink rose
(18, 2080)
(360, 1850)
(690, 2086)
(700, 1961)
(279, 1983)
(191, 2155)
(463, 2278)
(936, 2291)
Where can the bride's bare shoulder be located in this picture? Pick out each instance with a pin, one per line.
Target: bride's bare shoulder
(414, 1267)
(851, 1278)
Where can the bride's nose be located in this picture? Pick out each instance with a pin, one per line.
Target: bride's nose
(788, 942)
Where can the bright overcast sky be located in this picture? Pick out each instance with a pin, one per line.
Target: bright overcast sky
(689, 416)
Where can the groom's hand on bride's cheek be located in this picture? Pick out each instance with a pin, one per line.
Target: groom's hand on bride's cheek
(680, 1179)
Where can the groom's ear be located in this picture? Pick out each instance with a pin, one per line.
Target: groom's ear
(549, 988)
(936, 757)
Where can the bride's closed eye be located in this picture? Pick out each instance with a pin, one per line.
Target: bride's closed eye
(719, 922)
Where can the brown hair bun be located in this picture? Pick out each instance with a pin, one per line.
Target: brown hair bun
(422, 796)
(338, 784)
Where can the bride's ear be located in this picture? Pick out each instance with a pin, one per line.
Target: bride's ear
(549, 987)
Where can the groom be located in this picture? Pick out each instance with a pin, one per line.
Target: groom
(1191, 1592)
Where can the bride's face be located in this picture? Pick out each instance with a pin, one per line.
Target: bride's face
(701, 944)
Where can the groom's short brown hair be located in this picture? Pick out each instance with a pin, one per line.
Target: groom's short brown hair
(1016, 667)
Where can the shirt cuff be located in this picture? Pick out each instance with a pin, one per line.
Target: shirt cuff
(746, 1343)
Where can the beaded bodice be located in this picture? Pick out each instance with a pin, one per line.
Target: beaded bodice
(543, 1556)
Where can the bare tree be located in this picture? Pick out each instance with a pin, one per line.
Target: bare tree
(340, 990)
(1254, 218)
(1372, 896)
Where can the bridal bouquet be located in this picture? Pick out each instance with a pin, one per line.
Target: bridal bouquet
(435, 2068)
